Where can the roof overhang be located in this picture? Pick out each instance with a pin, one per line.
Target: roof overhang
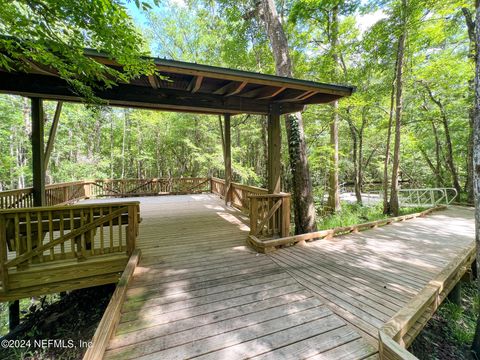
(184, 87)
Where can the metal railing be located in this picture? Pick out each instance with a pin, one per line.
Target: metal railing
(426, 197)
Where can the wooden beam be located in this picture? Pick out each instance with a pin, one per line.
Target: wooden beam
(49, 87)
(195, 84)
(177, 67)
(274, 151)
(303, 96)
(273, 94)
(228, 159)
(53, 133)
(153, 80)
(38, 155)
(238, 89)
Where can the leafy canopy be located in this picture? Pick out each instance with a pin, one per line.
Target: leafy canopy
(54, 33)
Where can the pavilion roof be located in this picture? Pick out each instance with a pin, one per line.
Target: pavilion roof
(184, 87)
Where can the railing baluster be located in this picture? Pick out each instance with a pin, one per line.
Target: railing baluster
(110, 224)
(40, 233)
(28, 225)
(101, 233)
(18, 246)
(62, 233)
(50, 234)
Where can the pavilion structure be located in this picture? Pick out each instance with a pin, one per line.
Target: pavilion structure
(177, 86)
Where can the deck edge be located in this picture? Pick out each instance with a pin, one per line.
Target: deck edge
(111, 316)
(267, 246)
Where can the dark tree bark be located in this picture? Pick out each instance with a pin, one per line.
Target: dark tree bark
(476, 165)
(386, 161)
(471, 35)
(304, 209)
(394, 205)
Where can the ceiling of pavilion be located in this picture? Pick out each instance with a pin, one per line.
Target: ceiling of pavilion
(185, 87)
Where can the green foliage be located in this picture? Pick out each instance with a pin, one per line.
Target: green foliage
(351, 214)
(54, 34)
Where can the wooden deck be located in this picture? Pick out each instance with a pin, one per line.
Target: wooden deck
(199, 292)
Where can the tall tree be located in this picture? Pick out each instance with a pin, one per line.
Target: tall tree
(471, 36)
(394, 204)
(304, 209)
(333, 189)
(476, 164)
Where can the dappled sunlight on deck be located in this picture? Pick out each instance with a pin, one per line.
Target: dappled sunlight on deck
(200, 292)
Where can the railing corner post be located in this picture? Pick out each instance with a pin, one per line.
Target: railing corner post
(285, 226)
(132, 228)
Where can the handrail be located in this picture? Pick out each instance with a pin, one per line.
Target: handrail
(268, 245)
(269, 215)
(70, 192)
(46, 234)
(426, 196)
(396, 330)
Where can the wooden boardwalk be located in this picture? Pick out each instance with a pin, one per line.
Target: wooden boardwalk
(199, 292)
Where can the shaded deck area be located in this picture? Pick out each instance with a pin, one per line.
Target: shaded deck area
(199, 292)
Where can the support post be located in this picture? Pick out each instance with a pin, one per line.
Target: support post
(53, 133)
(228, 159)
(455, 295)
(274, 147)
(38, 152)
(13, 314)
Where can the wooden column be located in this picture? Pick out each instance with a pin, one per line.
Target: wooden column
(53, 133)
(228, 159)
(13, 314)
(38, 152)
(274, 147)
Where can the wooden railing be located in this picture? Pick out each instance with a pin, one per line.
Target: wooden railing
(70, 192)
(20, 198)
(66, 193)
(149, 187)
(268, 245)
(240, 195)
(45, 234)
(217, 186)
(269, 215)
(404, 326)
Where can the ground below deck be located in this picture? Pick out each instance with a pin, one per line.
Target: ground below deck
(199, 292)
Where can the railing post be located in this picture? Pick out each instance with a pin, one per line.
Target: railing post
(87, 189)
(285, 226)
(3, 254)
(132, 228)
(253, 215)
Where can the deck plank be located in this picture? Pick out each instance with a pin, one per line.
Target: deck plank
(200, 292)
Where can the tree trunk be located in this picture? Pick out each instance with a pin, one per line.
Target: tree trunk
(386, 162)
(448, 140)
(394, 205)
(333, 189)
(304, 208)
(476, 165)
(356, 165)
(471, 113)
